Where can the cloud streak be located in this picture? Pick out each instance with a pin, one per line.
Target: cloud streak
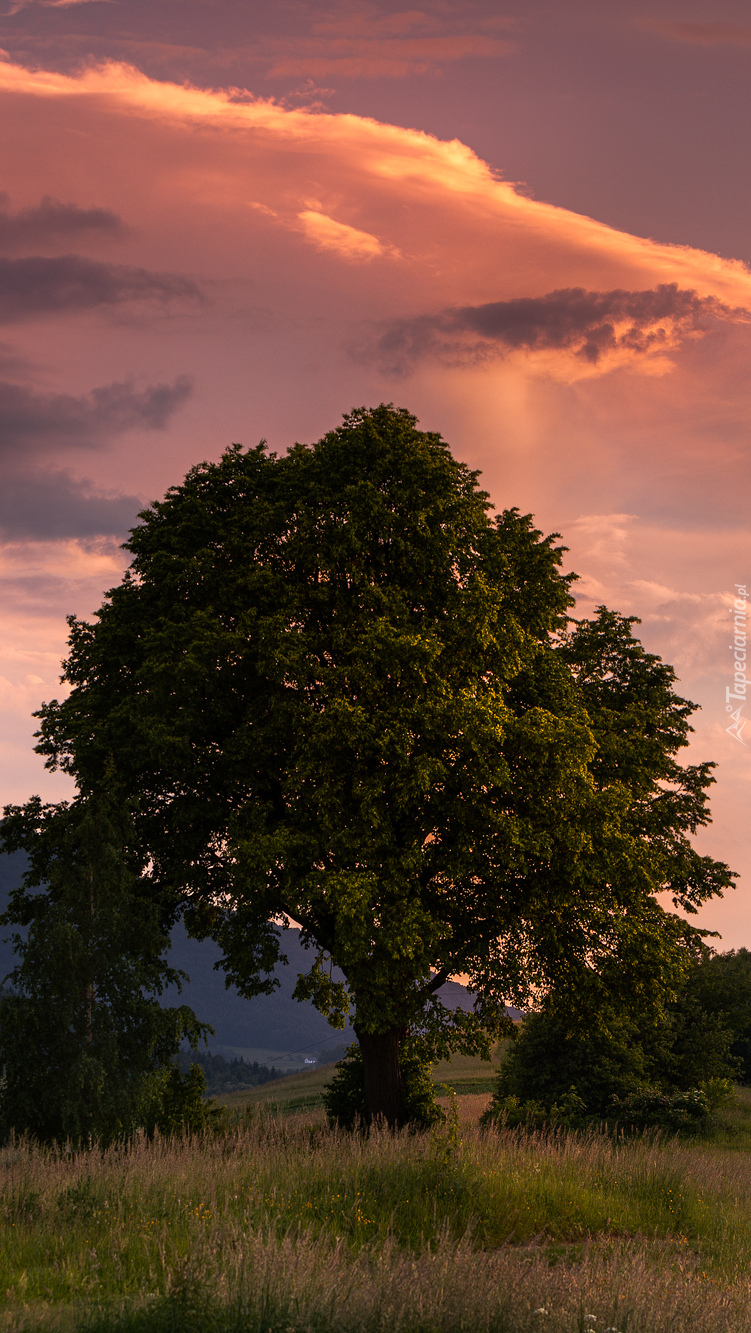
(51, 506)
(44, 421)
(595, 327)
(350, 243)
(387, 57)
(40, 285)
(700, 34)
(52, 222)
(362, 42)
(39, 503)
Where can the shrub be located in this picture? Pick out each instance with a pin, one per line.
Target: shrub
(651, 1108)
(552, 1055)
(178, 1105)
(634, 1066)
(510, 1112)
(344, 1098)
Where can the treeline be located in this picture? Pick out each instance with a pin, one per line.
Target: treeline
(224, 1075)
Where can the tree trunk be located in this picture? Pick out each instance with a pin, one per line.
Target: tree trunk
(384, 1094)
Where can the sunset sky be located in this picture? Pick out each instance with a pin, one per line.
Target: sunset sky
(528, 223)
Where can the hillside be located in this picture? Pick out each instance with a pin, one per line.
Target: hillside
(275, 1024)
(463, 1074)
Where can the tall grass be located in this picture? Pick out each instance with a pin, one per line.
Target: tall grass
(285, 1226)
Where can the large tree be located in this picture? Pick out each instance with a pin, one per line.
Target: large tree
(332, 679)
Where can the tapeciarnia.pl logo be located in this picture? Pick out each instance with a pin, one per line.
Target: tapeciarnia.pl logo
(737, 691)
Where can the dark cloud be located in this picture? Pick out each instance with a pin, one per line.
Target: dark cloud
(38, 285)
(39, 502)
(39, 421)
(222, 43)
(54, 505)
(588, 324)
(53, 223)
(12, 361)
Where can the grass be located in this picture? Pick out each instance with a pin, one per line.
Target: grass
(282, 1226)
(297, 1092)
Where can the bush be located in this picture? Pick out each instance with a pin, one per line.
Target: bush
(551, 1055)
(344, 1098)
(178, 1105)
(650, 1108)
(669, 1072)
(511, 1113)
(721, 986)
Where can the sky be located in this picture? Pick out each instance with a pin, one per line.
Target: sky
(224, 221)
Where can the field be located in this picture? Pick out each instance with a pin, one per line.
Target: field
(281, 1226)
(302, 1092)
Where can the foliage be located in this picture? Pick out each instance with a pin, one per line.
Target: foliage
(552, 1054)
(344, 1098)
(84, 1042)
(624, 1064)
(685, 1112)
(510, 1112)
(179, 1105)
(721, 987)
(345, 695)
(640, 724)
(645, 1107)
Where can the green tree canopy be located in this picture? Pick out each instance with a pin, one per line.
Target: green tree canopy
(333, 680)
(721, 987)
(640, 724)
(624, 1050)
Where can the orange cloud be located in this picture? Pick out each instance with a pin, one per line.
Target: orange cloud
(348, 242)
(466, 236)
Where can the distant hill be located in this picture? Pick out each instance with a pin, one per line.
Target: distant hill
(275, 1023)
(269, 1022)
(11, 871)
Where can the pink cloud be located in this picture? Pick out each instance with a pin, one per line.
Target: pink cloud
(436, 202)
(372, 57)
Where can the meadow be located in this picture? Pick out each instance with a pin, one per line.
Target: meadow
(279, 1225)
